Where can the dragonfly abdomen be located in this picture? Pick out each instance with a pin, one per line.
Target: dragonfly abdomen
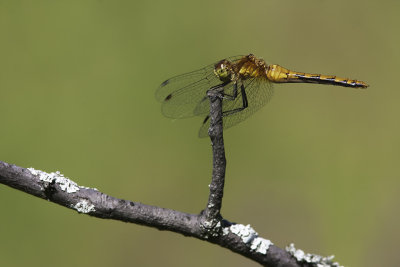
(279, 74)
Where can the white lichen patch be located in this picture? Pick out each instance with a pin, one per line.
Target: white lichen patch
(246, 233)
(314, 259)
(225, 230)
(260, 245)
(212, 227)
(84, 206)
(65, 184)
(249, 236)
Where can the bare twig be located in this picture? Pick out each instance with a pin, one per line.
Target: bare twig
(212, 215)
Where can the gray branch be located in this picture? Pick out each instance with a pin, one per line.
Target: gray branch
(209, 225)
(212, 211)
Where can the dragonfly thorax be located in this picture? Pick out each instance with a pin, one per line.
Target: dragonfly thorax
(223, 70)
(251, 67)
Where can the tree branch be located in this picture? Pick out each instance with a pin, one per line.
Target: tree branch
(212, 214)
(208, 225)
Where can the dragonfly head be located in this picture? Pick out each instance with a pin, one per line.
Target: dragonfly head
(223, 70)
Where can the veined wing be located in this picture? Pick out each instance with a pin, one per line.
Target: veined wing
(181, 94)
(258, 91)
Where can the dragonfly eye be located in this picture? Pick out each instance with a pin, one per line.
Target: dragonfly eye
(223, 71)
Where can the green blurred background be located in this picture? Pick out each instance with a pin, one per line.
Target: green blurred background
(319, 166)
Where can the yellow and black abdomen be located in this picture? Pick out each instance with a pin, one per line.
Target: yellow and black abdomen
(278, 74)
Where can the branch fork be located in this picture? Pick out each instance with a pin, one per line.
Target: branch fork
(209, 225)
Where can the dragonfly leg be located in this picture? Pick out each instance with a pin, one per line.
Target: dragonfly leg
(244, 99)
(217, 89)
(231, 97)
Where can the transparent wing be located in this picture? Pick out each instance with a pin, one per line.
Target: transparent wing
(258, 91)
(181, 95)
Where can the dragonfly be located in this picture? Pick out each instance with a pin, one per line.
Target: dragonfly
(245, 84)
